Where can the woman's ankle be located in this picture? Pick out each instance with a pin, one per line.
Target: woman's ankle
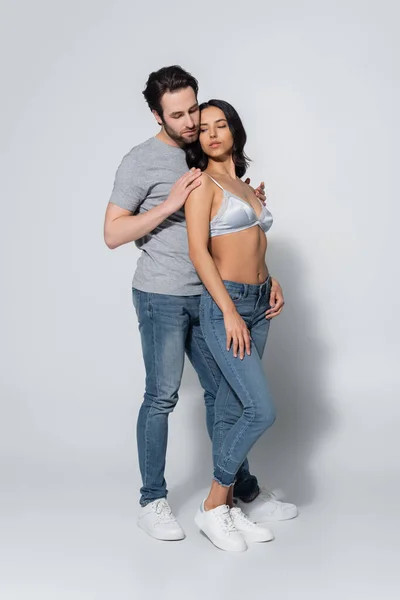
(219, 496)
(210, 504)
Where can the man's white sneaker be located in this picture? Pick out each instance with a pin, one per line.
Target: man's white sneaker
(218, 526)
(266, 508)
(250, 530)
(157, 519)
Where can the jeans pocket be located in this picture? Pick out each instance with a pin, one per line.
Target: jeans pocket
(142, 303)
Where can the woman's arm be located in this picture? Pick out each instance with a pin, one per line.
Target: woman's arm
(198, 211)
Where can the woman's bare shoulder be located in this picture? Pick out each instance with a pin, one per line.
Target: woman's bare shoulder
(205, 191)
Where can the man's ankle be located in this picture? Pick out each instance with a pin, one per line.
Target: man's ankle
(250, 497)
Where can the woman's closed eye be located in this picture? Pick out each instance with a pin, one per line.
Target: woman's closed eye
(218, 127)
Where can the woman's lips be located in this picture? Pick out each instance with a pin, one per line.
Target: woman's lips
(215, 144)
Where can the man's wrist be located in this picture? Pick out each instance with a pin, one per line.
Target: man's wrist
(165, 210)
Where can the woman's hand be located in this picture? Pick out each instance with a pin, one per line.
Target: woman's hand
(276, 300)
(237, 334)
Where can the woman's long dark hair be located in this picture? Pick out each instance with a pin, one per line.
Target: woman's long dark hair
(195, 157)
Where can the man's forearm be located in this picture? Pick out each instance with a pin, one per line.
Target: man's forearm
(129, 228)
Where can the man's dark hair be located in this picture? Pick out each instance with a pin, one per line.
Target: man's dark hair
(167, 79)
(195, 156)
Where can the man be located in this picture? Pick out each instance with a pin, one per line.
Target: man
(146, 206)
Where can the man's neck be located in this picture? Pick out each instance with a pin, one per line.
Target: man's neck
(166, 139)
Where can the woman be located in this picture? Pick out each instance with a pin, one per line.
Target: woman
(226, 226)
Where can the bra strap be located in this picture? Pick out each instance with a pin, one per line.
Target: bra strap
(216, 182)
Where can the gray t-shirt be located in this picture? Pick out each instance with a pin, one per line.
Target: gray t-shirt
(143, 180)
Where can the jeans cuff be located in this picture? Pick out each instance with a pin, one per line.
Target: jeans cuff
(147, 501)
(224, 478)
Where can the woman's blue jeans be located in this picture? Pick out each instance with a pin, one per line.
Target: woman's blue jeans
(241, 418)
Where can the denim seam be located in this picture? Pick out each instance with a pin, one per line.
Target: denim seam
(215, 381)
(201, 311)
(220, 428)
(204, 356)
(245, 427)
(150, 412)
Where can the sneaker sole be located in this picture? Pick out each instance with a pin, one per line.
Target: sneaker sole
(273, 519)
(255, 538)
(217, 543)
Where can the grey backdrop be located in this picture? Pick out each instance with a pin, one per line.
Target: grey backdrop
(317, 86)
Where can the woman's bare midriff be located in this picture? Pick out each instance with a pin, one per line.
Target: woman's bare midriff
(240, 256)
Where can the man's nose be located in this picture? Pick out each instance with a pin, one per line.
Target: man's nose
(189, 123)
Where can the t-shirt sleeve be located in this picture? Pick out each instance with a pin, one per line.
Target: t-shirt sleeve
(130, 188)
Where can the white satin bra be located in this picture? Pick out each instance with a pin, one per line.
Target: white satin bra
(235, 214)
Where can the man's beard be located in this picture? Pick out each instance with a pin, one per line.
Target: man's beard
(181, 141)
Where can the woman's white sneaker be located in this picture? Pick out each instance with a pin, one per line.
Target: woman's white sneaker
(250, 530)
(218, 526)
(157, 519)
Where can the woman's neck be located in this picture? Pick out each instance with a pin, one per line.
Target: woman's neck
(225, 168)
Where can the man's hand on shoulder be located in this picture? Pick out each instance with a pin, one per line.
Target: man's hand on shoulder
(181, 190)
(259, 192)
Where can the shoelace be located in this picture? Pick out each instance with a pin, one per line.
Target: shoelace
(226, 522)
(239, 514)
(163, 511)
(266, 494)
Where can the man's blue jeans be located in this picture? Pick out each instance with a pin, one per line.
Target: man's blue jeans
(170, 327)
